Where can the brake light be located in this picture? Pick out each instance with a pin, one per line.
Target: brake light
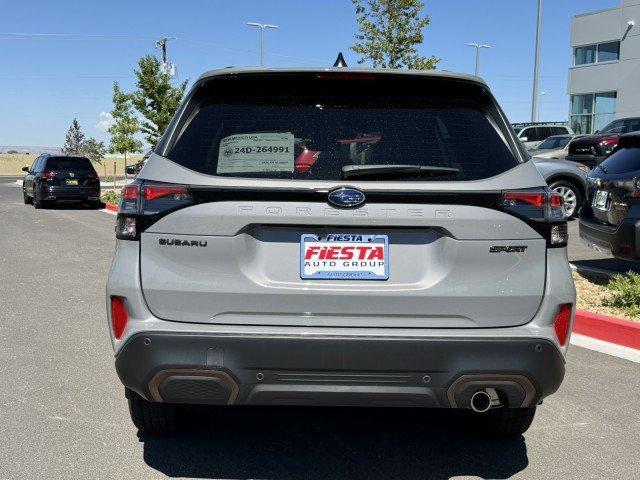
(93, 176)
(119, 316)
(562, 322)
(49, 175)
(152, 192)
(144, 203)
(608, 144)
(542, 209)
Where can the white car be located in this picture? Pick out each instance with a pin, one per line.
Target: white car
(533, 134)
(556, 146)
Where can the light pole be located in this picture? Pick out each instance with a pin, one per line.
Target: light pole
(262, 26)
(536, 66)
(478, 46)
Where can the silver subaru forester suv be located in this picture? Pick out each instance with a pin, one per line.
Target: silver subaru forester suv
(340, 237)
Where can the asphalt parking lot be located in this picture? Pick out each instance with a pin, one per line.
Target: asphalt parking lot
(64, 414)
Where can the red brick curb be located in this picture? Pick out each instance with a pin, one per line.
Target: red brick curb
(111, 206)
(609, 329)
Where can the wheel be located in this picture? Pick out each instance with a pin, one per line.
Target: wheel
(505, 422)
(153, 417)
(571, 195)
(37, 201)
(27, 199)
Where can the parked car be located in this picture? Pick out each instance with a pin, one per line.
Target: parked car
(52, 178)
(556, 146)
(569, 179)
(610, 218)
(593, 149)
(419, 260)
(533, 134)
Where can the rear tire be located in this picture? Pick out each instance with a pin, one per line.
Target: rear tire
(154, 418)
(27, 199)
(571, 195)
(505, 422)
(37, 201)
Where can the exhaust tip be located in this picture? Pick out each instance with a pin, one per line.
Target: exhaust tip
(481, 401)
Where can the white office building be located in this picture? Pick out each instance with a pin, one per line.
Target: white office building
(604, 80)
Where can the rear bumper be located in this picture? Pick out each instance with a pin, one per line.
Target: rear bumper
(590, 161)
(617, 240)
(337, 370)
(70, 193)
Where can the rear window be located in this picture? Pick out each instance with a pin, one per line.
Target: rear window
(310, 128)
(623, 161)
(70, 163)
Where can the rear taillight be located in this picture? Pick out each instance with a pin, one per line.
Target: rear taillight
(608, 144)
(49, 175)
(119, 316)
(93, 176)
(542, 209)
(562, 322)
(636, 187)
(144, 203)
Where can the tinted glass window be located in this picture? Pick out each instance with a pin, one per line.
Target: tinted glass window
(70, 163)
(623, 161)
(608, 51)
(313, 131)
(584, 55)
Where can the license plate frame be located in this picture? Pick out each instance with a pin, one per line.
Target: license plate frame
(601, 200)
(367, 268)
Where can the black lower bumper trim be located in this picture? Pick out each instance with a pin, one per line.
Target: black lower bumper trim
(332, 370)
(623, 241)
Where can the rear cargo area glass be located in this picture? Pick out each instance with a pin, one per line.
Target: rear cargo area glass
(310, 127)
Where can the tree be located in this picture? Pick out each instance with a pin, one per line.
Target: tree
(74, 139)
(93, 150)
(125, 125)
(388, 32)
(156, 98)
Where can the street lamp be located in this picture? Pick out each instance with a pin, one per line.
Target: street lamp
(478, 46)
(262, 26)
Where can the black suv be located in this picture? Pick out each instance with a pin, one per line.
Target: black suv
(60, 177)
(593, 149)
(610, 219)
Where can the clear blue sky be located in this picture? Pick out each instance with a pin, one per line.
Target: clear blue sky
(45, 82)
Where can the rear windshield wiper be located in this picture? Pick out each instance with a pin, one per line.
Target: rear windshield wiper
(351, 171)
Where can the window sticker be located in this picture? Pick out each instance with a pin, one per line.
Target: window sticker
(256, 152)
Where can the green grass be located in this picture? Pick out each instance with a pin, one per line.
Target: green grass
(626, 293)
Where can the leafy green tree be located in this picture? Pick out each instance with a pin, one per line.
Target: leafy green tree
(125, 125)
(388, 32)
(156, 98)
(93, 150)
(74, 139)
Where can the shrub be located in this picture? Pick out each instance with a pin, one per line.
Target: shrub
(626, 293)
(110, 196)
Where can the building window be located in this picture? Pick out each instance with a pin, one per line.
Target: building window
(596, 53)
(592, 111)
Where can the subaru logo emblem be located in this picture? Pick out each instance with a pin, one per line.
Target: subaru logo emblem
(346, 197)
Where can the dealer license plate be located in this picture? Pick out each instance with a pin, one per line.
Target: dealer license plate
(72, 181)
(344, 256)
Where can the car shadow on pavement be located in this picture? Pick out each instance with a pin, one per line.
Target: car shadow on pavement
(73, 206)
(330, 443)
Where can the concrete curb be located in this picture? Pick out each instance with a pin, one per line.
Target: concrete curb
(609, 329)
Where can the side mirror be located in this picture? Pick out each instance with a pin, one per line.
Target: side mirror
(131, 170)
(25, 168)
(524, 139)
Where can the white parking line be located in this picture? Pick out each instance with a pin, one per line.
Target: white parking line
(605, 347)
